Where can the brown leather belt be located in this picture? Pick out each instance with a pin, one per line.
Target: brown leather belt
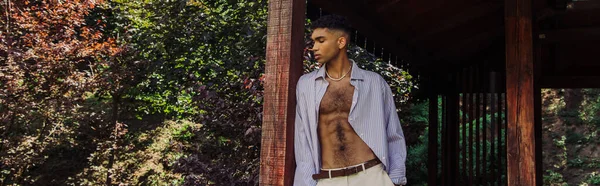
(346, 171)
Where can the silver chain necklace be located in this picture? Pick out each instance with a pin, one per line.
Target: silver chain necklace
(340, 77)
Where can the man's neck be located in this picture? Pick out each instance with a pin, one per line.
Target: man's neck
(338, 67)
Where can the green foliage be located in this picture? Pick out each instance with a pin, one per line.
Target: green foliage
(49, 54)
(554, 178)
(417, 154)
(570, 122)
(574, 137)
(183, 133)
(591, 106)
(205, 63)
(593, 163)
(147, 159)
(575, 162)
(194, 47)
(593, 178)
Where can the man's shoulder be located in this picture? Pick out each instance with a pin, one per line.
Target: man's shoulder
(373, 77)
(305, 79)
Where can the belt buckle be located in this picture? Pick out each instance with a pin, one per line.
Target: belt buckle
(357, 170)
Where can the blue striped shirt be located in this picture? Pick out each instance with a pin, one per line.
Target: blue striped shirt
(372, 115)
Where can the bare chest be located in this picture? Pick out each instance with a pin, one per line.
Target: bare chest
(337, 99)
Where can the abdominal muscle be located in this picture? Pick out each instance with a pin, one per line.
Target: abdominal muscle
(340, 145)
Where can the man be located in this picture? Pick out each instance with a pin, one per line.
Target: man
(347, 131)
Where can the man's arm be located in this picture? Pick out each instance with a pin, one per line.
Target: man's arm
(304, 162)
(396, 142)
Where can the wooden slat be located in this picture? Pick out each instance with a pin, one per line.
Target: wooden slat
(445, 138)
(470, 119)
(454, 124)
(477, 129)
(501, 138)
(519, 86)
(354, 36)
(361, 40)
(485, 85)
(432, 166)
(285, 37)
(378, 50)
(504, 153)
(494, 128)
(385, 55)
(465, 110)
(312, 11)
(370, 46)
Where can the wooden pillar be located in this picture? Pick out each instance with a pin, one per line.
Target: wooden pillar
(520, 93)
(285, 35)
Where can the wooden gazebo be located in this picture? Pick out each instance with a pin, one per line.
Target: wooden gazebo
(477, 57)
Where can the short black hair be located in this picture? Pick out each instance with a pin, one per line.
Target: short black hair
(333, 21)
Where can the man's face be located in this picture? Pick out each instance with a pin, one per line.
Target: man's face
(328, 44)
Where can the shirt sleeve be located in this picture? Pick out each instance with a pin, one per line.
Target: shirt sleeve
(304, 162)
(395, 138)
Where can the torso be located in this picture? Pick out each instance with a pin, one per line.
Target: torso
(340, 145)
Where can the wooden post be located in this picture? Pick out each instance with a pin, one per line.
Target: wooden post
(520, 93)
(285, 35)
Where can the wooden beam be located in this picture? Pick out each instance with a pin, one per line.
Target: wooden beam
(460, 19)
(575, 34)
(285, 36)
(467, 48)
(519, 93)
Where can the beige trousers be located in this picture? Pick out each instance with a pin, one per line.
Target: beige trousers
(374, 176)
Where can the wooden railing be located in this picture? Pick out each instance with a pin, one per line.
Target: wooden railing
(472, 122)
